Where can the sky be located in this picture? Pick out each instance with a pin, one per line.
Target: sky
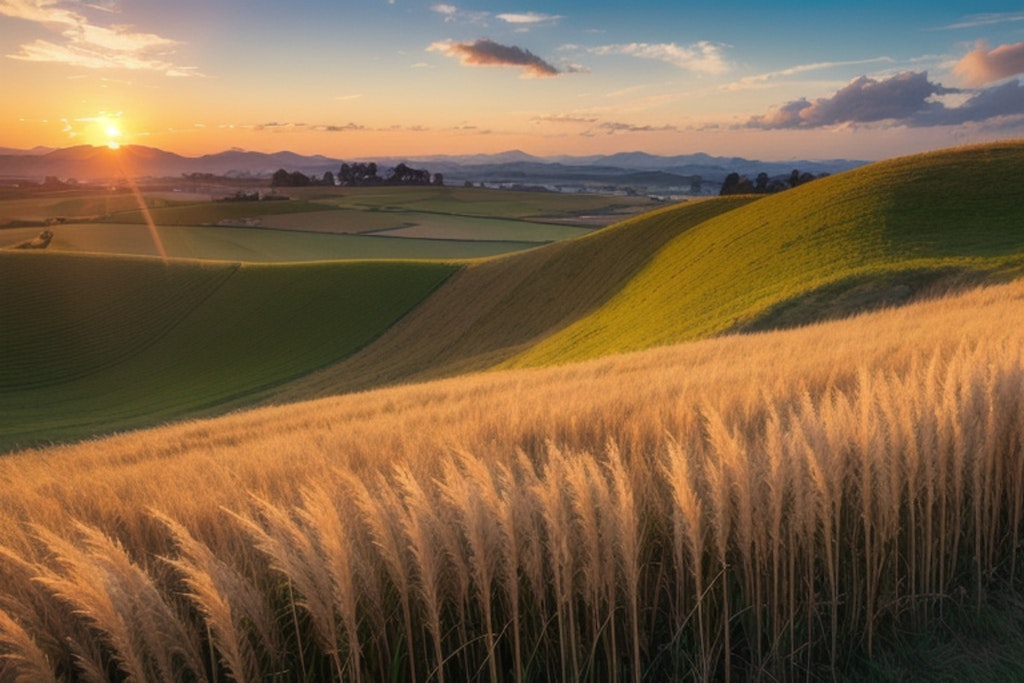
(355, 79)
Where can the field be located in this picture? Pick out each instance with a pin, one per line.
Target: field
(316, 224)
(786, 505)
(93, 344)
(603, 458)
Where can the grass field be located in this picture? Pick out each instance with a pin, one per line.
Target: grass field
(780, 506)
(223, 243)
(93, 344)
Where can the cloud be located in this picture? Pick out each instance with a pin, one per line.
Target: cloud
(453, 13)
(612, 127)
(983, 66)
(761, 80)
(530, 18)
(908, 99)
(564, 118)
(86, 45)
(486, 52)
(703, 56)
(979, 20)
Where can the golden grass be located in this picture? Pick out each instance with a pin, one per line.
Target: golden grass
(746, 507)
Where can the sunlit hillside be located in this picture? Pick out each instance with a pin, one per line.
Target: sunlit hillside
(880, 235)
(780, 505)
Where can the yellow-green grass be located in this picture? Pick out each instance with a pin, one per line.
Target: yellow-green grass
(474, 201)
(211, 212)
(229, 243)
(883, 230)
(497, 307)
(92, 344)
(418, 224)
(74, 205)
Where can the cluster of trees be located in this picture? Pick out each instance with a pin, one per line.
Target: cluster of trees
(359, 174)
(740, 184)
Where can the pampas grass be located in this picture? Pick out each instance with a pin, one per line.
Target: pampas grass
(766, 507)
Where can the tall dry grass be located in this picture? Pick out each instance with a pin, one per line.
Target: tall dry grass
(754, 507)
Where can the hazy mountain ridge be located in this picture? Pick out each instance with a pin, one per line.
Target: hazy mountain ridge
(86, 162)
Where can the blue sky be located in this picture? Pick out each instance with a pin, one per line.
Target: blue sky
(371, 77)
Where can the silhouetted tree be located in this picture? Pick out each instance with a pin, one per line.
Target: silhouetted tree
(328, 179)
(761, 185)
(281, 178)
(438, 179)
(732, 182)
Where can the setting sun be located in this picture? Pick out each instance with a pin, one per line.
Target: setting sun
(113, 136)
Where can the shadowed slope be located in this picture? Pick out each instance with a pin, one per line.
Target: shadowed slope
(495, 308)
(93, 344)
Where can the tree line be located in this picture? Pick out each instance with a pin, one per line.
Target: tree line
(358, 174)
(763, 184)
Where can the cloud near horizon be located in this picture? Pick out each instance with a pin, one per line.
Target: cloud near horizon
(908, 99)
(983, 66)
(486, 52)
(90, 46)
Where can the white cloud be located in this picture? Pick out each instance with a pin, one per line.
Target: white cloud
(87, 45)
(702, 57)
(529, 18)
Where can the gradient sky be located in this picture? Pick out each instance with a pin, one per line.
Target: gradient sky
(363, 78)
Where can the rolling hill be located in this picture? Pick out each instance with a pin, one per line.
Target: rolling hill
(196, 339)
(876, 236)
(93, 344)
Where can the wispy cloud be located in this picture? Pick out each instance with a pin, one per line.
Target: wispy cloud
(565, 118)
(765, 79)
(702, 57)
(983, 66)
(84, 44)
(455, 14)
(486, 52)
(907, 99)
(530, 18)
(613, 127)
(979, 20)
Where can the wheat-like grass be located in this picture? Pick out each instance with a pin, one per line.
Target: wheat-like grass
(759, 507)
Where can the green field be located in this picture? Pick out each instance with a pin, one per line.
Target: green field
(255, 244)
(881, 235)
(93, 344)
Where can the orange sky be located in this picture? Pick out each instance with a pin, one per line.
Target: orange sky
(802, 80)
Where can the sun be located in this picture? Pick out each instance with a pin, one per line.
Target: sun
(113, 136)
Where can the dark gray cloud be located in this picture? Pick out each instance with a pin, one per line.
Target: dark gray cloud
(864, 100)
(905, 99)
(486, 52)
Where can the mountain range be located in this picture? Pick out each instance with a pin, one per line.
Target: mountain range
(85, 162)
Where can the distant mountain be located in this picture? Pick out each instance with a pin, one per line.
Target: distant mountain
(641, 169)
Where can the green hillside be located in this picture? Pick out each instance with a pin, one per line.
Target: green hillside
(93, 344)
(498, 307)
(879, 235)
(873, 236)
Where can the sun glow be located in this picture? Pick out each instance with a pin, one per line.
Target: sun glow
(113, 136)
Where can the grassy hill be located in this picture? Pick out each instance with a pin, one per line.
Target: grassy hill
(93, 344)
(100, 344)
(869, 237)
(876, 236)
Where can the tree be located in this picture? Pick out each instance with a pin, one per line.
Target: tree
(281, 178)
(438, 179)
(329, 179)
(731, 184)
